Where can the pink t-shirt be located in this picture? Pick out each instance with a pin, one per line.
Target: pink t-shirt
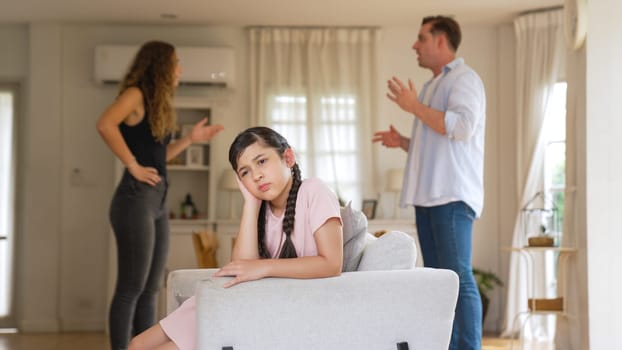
(315, 204)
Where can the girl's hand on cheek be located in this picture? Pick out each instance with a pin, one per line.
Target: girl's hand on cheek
(249, 198)
(243, 271)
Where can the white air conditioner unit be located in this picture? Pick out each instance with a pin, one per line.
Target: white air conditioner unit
(199, 65)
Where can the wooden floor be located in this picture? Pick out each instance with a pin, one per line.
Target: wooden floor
(54, 341)
(507, 344)
(99, 341)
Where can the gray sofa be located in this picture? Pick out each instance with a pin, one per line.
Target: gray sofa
(378, 302)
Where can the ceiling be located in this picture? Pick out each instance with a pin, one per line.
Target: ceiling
(266, 12)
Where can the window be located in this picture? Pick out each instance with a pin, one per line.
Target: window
(325, 146)
(555, 153)
(7, 110)
(313, 86)
(554, 141)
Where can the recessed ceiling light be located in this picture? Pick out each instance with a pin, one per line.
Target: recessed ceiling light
(168, 16)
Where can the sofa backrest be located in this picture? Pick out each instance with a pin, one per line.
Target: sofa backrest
(357, 310)
(362, 251)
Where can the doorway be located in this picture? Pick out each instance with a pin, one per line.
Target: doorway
(8, 165)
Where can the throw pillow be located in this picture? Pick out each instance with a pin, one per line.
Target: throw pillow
(354, 232)
(394, 250)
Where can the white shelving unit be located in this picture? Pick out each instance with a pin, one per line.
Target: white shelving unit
(195, 179)
(537, 223)
(541, 305)
(191, 174)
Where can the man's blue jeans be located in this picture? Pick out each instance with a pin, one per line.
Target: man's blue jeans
(445, 233)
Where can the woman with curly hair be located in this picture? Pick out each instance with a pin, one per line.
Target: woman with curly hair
(137, 128)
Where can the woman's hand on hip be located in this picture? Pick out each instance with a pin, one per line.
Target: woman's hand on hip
(147, 175)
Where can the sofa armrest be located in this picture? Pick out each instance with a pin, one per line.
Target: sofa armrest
(357, 310)
(181, 284)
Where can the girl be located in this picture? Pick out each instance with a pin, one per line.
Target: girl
(137, 127)
(289, 228)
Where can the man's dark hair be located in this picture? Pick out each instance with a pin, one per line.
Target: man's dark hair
(447, 25)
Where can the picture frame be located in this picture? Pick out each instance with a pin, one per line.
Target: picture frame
(369, 208)
(194, 156)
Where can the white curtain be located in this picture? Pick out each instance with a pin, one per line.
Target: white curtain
(539, 49)
(317, 86)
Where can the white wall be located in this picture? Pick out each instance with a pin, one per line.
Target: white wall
(506, 192)
(14, 48)
(40, 221)
(395, 58)
(480, 50)
(593, 90)
(64, 225)
(603, 175)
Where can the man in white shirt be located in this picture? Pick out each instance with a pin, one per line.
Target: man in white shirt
(443, 178)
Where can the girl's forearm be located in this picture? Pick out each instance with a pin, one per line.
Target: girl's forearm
(304, 267)
(246, 246)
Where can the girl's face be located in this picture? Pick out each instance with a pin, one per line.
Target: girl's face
(176, 69)
(265, 174)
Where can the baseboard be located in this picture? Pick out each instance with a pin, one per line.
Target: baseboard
(53, 326)
(35, 326)
(76, 325)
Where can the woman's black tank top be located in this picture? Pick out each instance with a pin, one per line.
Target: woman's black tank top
(149, 152)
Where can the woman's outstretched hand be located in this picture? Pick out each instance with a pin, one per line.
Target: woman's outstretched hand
(202, 132)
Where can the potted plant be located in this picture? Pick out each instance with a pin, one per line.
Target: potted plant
(486, 282)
